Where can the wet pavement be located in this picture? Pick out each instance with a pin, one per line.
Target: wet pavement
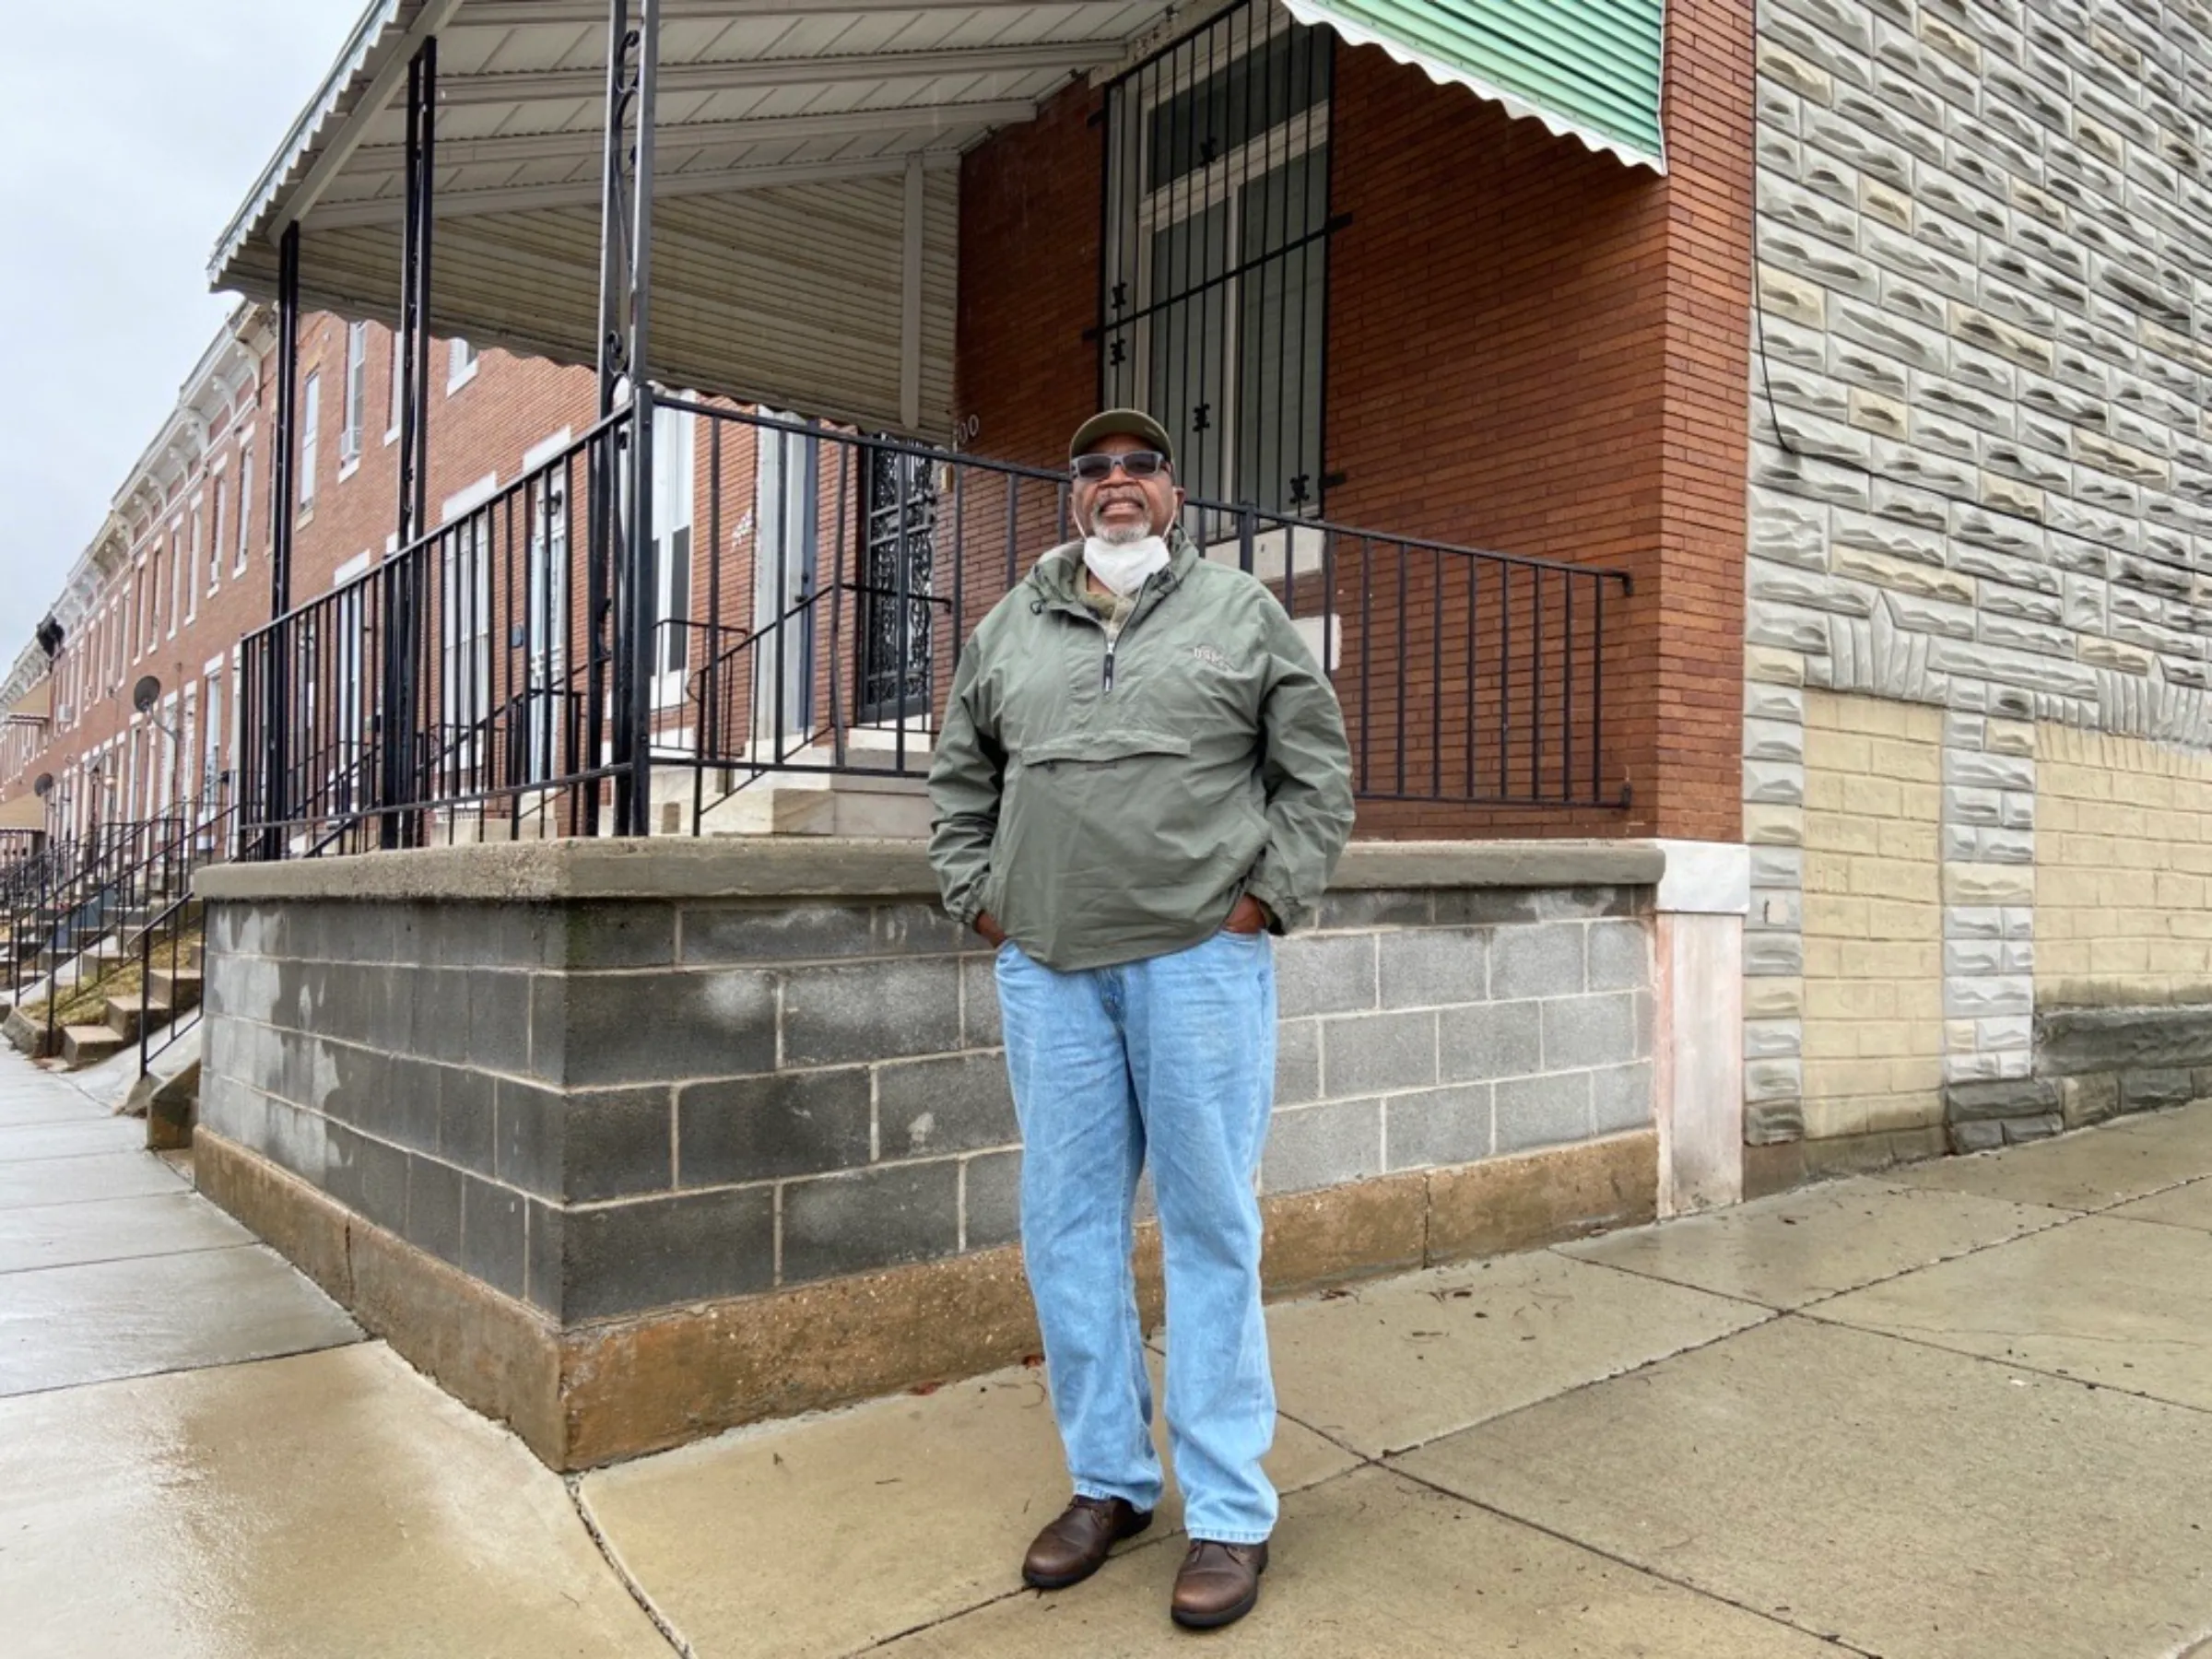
(201, 1456)
(1962, 1410)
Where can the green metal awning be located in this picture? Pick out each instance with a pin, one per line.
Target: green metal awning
(1588, 69)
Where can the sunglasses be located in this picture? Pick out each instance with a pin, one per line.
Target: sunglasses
(1137, 464)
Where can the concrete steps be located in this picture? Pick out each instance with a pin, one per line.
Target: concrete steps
(135, 1011)
(89, 1045)
(168, 993)
(840, 804)
(177, 990)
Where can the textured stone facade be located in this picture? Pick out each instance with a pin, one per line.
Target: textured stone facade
(1982, 467)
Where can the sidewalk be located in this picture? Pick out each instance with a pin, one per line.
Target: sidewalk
(1964, 1411)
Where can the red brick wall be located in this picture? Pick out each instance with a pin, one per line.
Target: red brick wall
(1705, 451)
(1536, 349)
(1533, 348)
(1029, 283)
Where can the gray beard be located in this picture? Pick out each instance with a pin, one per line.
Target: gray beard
(1118, 536)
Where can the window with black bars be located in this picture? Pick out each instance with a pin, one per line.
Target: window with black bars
(1215, 253)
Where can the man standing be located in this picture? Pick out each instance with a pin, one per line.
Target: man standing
(1143, 774)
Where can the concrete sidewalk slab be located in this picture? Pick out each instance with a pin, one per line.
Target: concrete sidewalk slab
(28, 1109)
(86, 1180)
(1388, 1366)
(1797, 1248)
(334, 1505)
(2091, 1170)
(1913, 1503)
(824, 1535)
(64, 1326)
(2184, 1135)
(2125, 1303)
(111, 1229)
(2188, 1206)
(37, 1142)
(1375, 1564)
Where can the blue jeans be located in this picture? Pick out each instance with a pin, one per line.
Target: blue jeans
(1174, 1057)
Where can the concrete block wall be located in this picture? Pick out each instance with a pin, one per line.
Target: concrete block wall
(606, 1107)
(1980, 479)
(1498, 1024)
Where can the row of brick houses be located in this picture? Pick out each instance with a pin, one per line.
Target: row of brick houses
(179, 574)
(1812, 494)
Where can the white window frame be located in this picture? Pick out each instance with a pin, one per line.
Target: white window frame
(310, 415)
(350, 670)
(393, 392)
(245, 509)
(464, 661)
(238, 692)
(354, 415)
(675, 490)
(786, 505)
(195, 513)
(187, 744)
(214, 737)
(162, 758)
(220, 487)
(177, 585)
(461, 363)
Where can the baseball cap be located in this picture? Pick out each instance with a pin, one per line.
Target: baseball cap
(1121, 423)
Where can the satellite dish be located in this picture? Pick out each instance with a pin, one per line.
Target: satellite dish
(44, 786)
(146, 693)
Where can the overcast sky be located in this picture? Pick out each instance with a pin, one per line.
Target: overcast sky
(133, 129)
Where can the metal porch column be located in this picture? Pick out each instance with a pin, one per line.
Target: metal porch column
(285, 508)
(403, 597)
(620, 579)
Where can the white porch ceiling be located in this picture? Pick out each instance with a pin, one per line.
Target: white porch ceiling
(806, 172)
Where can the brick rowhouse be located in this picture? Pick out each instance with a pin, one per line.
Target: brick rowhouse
(1532, 349)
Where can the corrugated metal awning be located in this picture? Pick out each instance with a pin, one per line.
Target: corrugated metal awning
(806, 181)
(1587, 69)
(35, 705)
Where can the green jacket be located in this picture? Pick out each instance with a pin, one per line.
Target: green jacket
(1109, 804)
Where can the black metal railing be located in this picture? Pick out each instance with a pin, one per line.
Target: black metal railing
(452, 684)
(17, 847)
(81, 928)
(81, 891)
(170, 945)
(806, 592)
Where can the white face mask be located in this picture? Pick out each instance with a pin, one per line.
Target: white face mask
(1125, 567)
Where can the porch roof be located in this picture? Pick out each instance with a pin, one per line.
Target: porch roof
(806, 244)
(806, 204)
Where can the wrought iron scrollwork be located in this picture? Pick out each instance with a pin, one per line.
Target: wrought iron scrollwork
(621, 254)
(898, 559)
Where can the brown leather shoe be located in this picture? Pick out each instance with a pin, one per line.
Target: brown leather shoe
(1074, 1547)
(1219, 1583)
